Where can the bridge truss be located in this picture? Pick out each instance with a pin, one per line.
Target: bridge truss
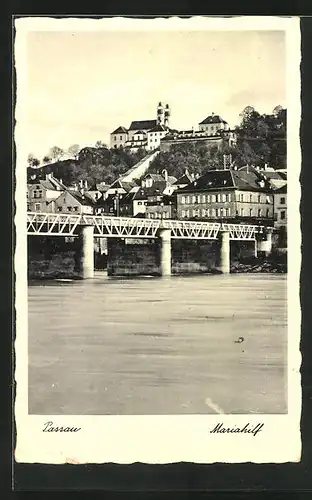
(58, 224)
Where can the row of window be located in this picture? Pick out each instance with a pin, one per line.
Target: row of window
(222, 197)
(68, 209)
(158, 215)
(223, 212)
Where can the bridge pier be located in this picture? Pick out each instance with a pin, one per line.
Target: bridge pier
(266, 245)
(165, 252)
(225, 252)
(87, 252)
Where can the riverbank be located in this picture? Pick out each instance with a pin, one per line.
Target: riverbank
(63, 266)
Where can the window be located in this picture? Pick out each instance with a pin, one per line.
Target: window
(187, 199)
(268, 212)
(69, 209)
(224, 197)
(259, 198)
(208, 198)
(75, 209)
(37, 207)
(139, 203)
(187, 213)
(213, 198)
(242, 212)
(115, 138)
(219, 198)
(203, 198)
(283, 215)
(259, 212)
(120, 137)
(229, 211)
(250, 198)
(221, 212)
(198, 198)
(241, 197)
(183, 213)
(203, 212)
(213, 212)
(250, 212)
(183, 200)
(283, 200)
(193, 199)
(208, 212)
(59, 209)
(229, 197)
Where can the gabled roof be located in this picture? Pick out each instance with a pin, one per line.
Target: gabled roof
(143, 124)
(83, 199)
(186, 178)
(120, 130)
(140, 132)
(212, 119)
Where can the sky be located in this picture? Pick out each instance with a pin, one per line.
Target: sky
(82, 85)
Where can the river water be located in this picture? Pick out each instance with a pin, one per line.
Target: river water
(158, 346)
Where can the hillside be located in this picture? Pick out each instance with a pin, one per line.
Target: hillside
(94, 164)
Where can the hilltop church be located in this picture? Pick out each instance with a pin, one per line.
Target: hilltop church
(144, 134)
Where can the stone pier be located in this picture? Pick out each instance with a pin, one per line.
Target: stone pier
(165, 252)
(265, 245)
(87, 252)
(225, 252)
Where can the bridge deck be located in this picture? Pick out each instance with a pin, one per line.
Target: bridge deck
(58, 224)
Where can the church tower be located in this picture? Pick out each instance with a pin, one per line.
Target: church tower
(167, 115)
(160, 114)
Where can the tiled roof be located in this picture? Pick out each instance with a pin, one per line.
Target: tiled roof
(224, 179)
(212, 119)
(83, 199)
(120, 130)
(143, 124)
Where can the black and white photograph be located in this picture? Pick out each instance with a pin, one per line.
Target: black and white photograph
(158, 239)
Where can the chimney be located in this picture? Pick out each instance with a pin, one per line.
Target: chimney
(197, 175)
(48, 177)
(186, 172)
(75, 186)
(86, 184)
(165, 174)
(82, 191)
(81, 183)
(212, 114)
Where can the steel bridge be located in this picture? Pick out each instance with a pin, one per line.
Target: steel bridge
(58, 224)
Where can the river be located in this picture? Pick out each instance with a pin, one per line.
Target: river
(158, 346)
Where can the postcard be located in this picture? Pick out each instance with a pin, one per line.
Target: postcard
(157, 253)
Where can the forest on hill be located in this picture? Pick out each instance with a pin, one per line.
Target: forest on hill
(261, 139)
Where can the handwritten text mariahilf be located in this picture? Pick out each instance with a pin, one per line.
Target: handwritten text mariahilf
(246, 429)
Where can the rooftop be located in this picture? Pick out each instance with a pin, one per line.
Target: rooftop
(212, 119)
(120, 130)
(222, 179)
(143, 124)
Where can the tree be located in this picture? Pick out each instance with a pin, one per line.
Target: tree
(56, 153)
(46, 159)
(73, 151)
(33, 161)
(100, 144)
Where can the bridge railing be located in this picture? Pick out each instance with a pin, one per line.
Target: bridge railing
(111, 226)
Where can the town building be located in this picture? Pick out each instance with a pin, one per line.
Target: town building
(226, 194)
(41, 194)
(75, 201)
(280, 207)
(136, 136)
(184, 180)
(213, 125)
(276, 178)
